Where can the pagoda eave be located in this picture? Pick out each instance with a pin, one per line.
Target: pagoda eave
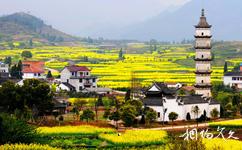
(203, 72)
(203, 27)
(197, 36)
(200, 47)
(202, 85)
(205, 59)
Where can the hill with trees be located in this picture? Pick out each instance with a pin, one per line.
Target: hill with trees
(25, 27)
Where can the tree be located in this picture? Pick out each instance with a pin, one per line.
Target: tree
(31, 42)
(205, 115)
(164, 113)
(137, 104)
(225, 67)
(192, 92)
(49, 75)
(182, 92)
(37, 93)
(88, 114)
(16, 70)
(128, 113)
(188, 117)
(115, 116)
(80, 103)
(8, 60)
(150, 115)
(172, 116)
(100, 100)
(16, 131)
(196, 110)
(106, 113)
(26, 54)
(214, 113)
(127, 95)
(120, 55)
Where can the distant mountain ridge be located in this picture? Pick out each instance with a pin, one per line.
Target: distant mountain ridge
(22, 26)
(224, 15)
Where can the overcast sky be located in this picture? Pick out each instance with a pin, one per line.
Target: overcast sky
(80, 16)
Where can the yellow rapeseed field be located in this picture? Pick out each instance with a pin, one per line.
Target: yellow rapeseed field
(222, 144)
(82, 130)
(136, 137)
(230, 123)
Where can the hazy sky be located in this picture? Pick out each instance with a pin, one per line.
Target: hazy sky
(79, 17)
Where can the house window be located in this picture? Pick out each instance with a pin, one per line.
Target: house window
(202, 56)
(81, 73)
(67, 80)
(202, 33)
(72, 73)
(80, 88)
(202, 81)
(158, 114)
(80, 80)
(87, 73)
(38, 74)
(233, 78)
(35, 74)
(93, 80)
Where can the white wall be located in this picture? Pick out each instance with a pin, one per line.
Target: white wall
(4, 68)
(202, 107)
(205, 79)
(203, 42)
(206, 54)
(228, 81)
(33, 76)
(65, 74)
(206, 32)
(203, 65)
(172, 106)
(204, 92)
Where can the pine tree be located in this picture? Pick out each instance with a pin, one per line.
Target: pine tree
(225, 67)
(49, 74)
(120, 55)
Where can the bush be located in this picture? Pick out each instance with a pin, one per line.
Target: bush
(16, 131)
(88, 114)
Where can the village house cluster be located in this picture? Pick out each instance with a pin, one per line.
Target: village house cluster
(162, 97)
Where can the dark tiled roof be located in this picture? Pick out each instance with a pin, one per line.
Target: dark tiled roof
(194, 99)
(164, 89)
(152, 101)
(69, 85)
(214, 102)
(233, 74)
(75, 68)
(203, 22)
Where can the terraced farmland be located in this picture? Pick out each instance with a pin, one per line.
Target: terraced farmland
(167, 64)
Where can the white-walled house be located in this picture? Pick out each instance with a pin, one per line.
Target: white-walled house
(77, 78)
(234, 79)
(4, 70)
(160, 97)
(33, 70)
